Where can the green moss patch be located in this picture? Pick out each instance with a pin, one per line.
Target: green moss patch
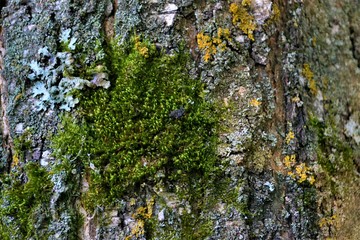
(152, 123)
(24, 211)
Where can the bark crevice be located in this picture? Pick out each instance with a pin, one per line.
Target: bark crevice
(7, 140)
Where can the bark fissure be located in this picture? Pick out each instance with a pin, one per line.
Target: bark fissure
(7, 143)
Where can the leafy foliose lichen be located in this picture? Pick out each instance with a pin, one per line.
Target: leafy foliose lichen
(57, 76)
(154, 119)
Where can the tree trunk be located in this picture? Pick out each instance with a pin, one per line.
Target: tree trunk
(281, 80)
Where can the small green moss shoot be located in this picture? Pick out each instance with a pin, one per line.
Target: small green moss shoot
(154, 118)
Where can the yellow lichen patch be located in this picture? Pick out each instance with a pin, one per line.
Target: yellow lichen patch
(141, 47)
(309, 75)
(299, 172)
(242, 18)
(311, 180)
(290, 161)
(275, 13)
(209, 45)
(15, 160)
(255, 103)
(304, 173)
(290, 136)
(206, 44)
(246, 3)
(326, 221)
(313, 41)
(141, 215)
(312, 86)
(224, 32)
(137, 231)
(203, 41)
(295, 99)
(292, 175)
(132, 202)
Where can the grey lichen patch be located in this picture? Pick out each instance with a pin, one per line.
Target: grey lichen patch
(262, 10)
(23, 21)
(352, 129)
(127, 18)
(55, 83)
(168, 14)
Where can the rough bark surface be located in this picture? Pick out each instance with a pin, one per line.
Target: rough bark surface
(289, 139)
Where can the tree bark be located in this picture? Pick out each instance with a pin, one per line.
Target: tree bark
(286, 74)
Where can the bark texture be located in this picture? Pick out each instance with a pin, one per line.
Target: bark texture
(286, 72)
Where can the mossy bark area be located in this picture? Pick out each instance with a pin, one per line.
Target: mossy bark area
(331, 48)
(284, 73)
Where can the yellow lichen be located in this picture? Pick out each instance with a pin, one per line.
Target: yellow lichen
(291, 174)
(138, 230)
(242, 18)
(312, 86)
(295, 99)
(311, 180)
(141, 215)
(15, 160)
(275, 13)
(246, 3)
(328, 221)
(313, 41)
(299, 172)
(289, 161)
(224, 32)
(290, 136)
(303, 173)
(141, 47)
(209, 45)
(255, 103)
(206, 44)
(309, 75)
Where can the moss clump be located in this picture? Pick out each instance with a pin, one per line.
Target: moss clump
(24, 206)
(334, 155)
(153, 121)
(22, 144)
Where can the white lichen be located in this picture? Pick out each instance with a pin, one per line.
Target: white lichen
(261, 10)
(168, 14)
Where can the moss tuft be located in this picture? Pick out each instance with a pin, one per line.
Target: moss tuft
(153, 119)
(24, 206)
